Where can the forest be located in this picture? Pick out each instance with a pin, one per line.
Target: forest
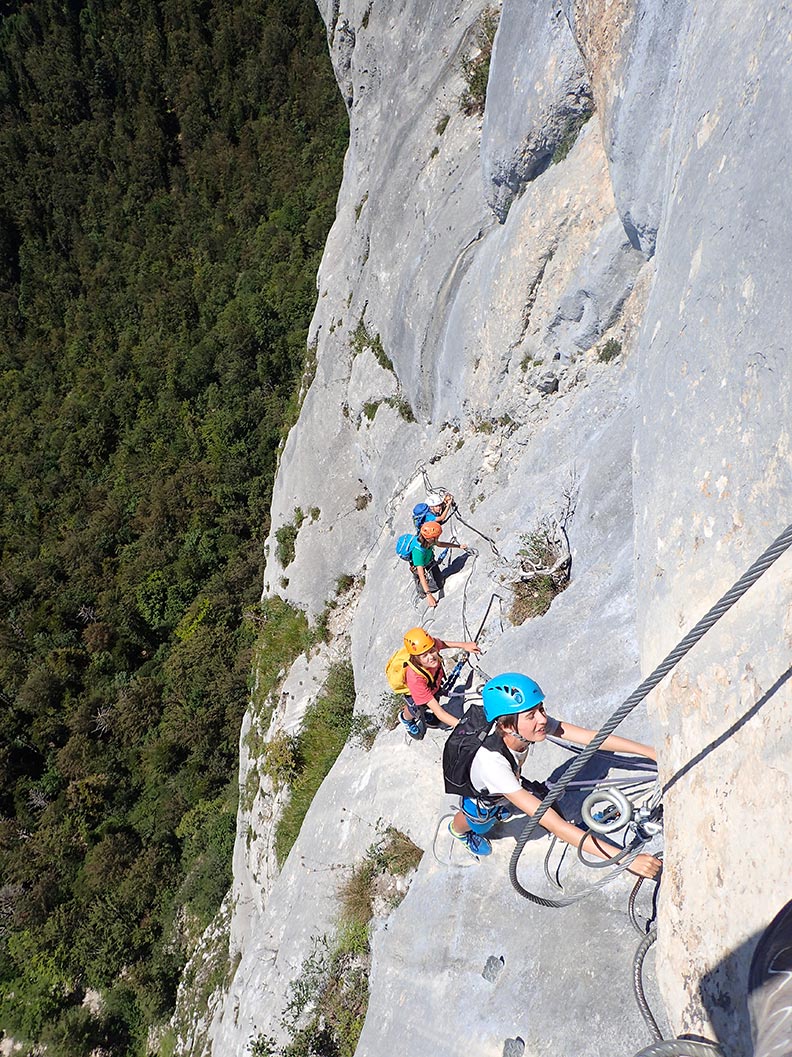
(168, 176)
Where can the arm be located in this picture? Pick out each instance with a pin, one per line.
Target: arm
(458, 546)
(468, 647)
(643, 865)
(448, 508)
(445, 717)
(613, 743)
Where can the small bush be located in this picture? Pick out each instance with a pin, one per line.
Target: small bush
(403, 407)
(544, 572)
(286, 538)
(380, 355)
(359, 206)
(281, 759)
(286, 544)
(361, 340)
(399, 854)
(610, 350)
(574, 124)
(531, 598)
(475, 67)
(442, 124)
(363, 731)
(331, 989)
(362, 500)
(370, 409)
(357, 894)
(314, 513)
(344, 583)
(390, 705)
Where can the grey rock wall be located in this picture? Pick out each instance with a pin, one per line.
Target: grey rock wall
(538, 89)
(713, 488)
(668, 458)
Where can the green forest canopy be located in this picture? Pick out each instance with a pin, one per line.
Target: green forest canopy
(168, 174)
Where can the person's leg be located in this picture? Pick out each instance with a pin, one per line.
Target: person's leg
(471, 823)
(434, 575)
(411, 717)
(419, 590)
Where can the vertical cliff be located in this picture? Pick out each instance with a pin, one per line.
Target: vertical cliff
(568, 306)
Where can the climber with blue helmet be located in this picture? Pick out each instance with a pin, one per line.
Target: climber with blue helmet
(514, 721)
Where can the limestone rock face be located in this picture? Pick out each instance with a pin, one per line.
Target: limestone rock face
(632, 51)
(538, 91)
(610, 357)
(714, 369)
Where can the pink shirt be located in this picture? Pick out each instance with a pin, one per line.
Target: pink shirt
(420, 691)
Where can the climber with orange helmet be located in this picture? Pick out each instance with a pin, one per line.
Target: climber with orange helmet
(423, 676)
(423, 564)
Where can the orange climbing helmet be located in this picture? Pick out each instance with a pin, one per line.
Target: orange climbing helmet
(431, 530)
(417, 640)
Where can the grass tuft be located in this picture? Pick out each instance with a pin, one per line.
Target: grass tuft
(475, 67)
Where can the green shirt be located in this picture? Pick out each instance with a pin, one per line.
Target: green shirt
(422, 556)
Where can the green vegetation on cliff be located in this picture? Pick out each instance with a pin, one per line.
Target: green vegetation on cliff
(168, 174)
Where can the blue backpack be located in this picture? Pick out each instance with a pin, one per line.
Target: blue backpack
(405, 544)
(421, 513)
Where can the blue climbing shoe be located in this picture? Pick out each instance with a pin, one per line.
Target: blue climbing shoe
(412, 728)
(474, 842)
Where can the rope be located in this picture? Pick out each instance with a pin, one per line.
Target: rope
(722, 606)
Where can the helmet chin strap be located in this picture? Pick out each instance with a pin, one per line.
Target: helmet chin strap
(519, 737)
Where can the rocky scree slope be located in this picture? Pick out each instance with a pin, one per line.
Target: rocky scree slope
(570, 307)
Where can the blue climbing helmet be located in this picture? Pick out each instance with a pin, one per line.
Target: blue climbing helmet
(421, 512)
(508, 694)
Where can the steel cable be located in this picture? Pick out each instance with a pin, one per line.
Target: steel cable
(643, 1005)
(681, 1048)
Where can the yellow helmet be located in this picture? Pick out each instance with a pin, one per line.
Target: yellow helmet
(418, 641)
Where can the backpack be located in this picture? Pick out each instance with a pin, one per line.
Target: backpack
(461, 746)
(395, 671)
(405, 544)
(421, 513)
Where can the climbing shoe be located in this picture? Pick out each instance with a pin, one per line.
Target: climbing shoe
(503, 814)
(412, 728)
(474, 842)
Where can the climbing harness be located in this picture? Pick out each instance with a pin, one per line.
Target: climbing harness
(738, 589)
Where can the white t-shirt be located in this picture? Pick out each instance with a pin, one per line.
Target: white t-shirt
(490, 769)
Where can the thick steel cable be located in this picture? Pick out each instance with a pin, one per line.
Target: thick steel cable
(484, 536)
(722, 606)
(640, 997)
(681, 1048)
(631, 908)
